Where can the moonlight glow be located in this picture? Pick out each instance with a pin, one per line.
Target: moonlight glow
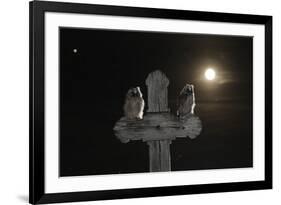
(210, 74)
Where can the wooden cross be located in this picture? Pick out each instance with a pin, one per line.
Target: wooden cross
(158, 127)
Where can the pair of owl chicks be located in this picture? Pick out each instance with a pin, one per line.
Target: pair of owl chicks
(134, 103)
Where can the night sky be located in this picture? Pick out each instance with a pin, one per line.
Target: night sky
(97, 67)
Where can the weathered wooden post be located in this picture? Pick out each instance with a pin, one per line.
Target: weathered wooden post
(158, 127)
(159, 150)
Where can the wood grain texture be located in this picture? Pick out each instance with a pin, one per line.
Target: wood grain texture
(154, 156)
(157, 85)
(157, 126)
(165, 157)
(159, 155)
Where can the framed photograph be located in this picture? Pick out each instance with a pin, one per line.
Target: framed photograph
(140, 102)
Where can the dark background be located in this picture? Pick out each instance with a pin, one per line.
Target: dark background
(95, 79)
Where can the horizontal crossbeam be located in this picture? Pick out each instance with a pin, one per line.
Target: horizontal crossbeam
(157, 126)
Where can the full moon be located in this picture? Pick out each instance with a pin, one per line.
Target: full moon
(210, 74)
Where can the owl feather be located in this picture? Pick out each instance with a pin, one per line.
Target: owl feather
(186, 101)
(134, 104)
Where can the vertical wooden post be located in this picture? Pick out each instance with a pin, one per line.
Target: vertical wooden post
(157, 84)
(159, 150)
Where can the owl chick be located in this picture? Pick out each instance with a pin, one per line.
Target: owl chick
(134, 104)
(186, 101)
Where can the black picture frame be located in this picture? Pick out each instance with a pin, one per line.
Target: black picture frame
(37, 193)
